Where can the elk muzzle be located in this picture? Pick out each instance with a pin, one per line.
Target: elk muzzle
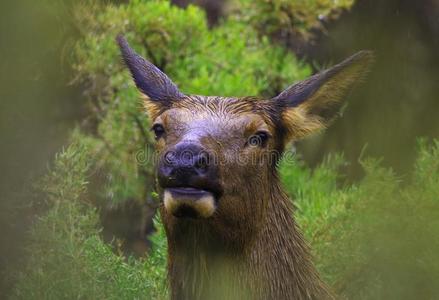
(189, 176)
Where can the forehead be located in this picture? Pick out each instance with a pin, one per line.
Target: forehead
(215, 113)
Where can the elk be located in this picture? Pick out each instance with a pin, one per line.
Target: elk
(230, 227)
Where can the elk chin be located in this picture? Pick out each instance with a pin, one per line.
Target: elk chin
(186, 202)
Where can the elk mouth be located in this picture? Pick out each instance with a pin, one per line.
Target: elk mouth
(189, 202)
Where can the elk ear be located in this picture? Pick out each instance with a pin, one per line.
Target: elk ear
(311, 105)
(158, 89)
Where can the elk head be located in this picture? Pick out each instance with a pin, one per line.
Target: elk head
(218, 155)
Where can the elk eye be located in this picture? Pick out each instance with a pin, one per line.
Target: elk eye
(159, 130)
(259, 139)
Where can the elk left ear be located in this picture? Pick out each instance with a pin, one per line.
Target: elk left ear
(312, 104)
(158, 90)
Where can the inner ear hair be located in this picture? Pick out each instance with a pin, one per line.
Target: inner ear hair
(311, 105)
(153, 108)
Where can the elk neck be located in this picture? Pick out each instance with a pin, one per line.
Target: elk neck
(269, 260)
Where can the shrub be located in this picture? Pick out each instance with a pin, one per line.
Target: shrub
(289, 18)
(376, 239)
(67, 256)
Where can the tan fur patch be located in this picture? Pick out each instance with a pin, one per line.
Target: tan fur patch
(300, 124)
(307, 117)
(153, 109)
(205, 206)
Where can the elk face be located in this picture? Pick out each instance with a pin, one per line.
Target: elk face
(212, 151)
(217, 154)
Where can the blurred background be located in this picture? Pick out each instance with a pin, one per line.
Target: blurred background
(42, 100)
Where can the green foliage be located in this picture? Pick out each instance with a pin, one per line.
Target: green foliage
(229, 60)
(67, 179)
(320, 185)
(67, 257)
(377, 239)
(289, 17)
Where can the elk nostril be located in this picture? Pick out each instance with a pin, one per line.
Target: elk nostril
(169, 158)
(203, 161)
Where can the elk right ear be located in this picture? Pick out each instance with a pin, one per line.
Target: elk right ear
(311, 105)
(158, 89)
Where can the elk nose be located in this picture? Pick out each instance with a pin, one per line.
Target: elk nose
(187, 164)
(189, 177)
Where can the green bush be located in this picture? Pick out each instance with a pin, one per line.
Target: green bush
(67, 256)
(379, 238)
(288, 18)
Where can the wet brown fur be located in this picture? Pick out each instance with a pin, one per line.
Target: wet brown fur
(251, 247)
